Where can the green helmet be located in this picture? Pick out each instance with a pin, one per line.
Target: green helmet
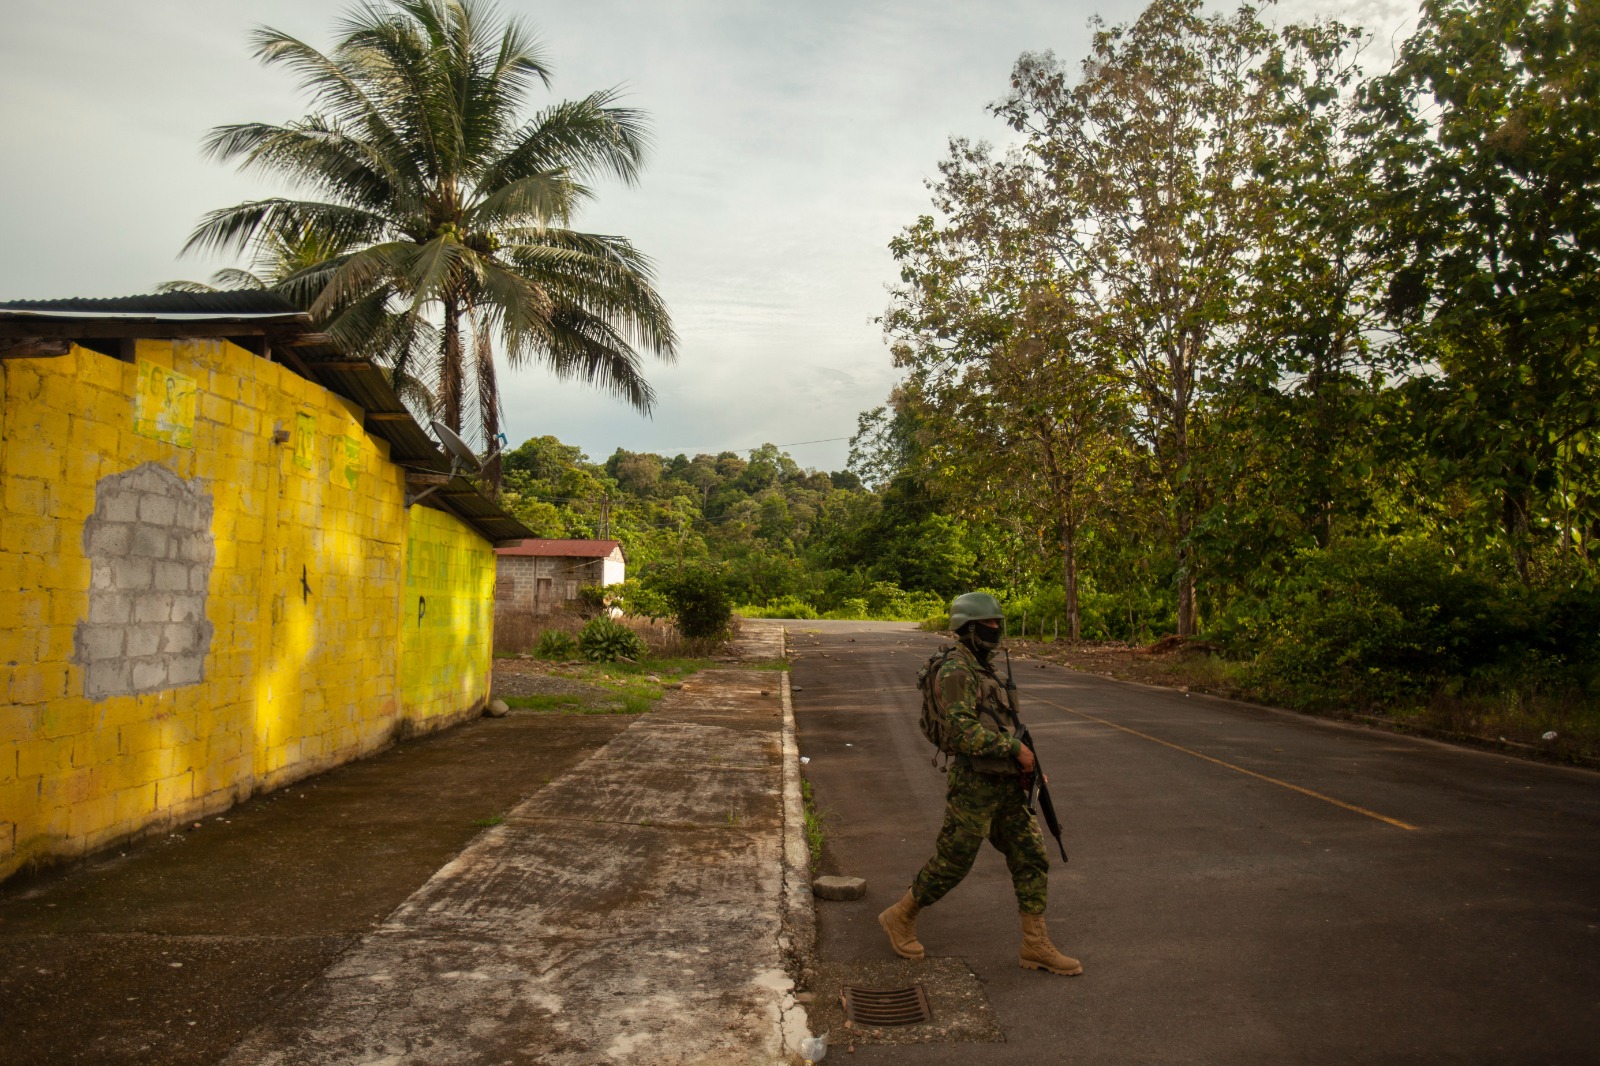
(973, 605)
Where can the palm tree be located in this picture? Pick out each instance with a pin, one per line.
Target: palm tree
(444, 212)
(277, 258)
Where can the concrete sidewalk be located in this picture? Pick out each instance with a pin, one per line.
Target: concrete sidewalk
(634, 910)
(648, 905)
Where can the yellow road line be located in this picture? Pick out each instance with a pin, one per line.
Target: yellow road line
(1250, 773)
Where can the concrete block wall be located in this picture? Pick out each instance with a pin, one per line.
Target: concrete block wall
(194, 611)
(447, 634)
(517, 581)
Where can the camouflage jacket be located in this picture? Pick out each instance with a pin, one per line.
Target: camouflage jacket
(981, 724)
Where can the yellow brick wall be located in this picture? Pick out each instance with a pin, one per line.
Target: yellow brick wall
(447, 619)
(307, 599)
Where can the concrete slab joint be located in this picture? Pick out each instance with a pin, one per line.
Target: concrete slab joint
(798, 939)
(150, 553)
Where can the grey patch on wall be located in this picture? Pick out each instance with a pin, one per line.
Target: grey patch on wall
(150, 556)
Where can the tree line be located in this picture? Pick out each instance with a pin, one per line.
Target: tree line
(1230, 297)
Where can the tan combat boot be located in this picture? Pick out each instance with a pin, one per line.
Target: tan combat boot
(900, 922)
(1039, 954)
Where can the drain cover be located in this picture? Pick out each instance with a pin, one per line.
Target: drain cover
(885, 1006)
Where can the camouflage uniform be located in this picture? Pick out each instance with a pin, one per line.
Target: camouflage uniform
(985, 797)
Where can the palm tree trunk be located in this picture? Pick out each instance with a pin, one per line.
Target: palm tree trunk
(450, 365)
(488, 407)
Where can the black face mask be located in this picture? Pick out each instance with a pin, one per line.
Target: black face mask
(986, 635)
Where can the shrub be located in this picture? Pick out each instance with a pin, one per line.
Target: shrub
(556, 644)
(605, 640)
(782, 607)
(700, 602)
(592, 599)
(1381, 621)
(639, 599)
(853, 608)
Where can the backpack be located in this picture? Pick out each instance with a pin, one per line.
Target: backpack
(935, 726)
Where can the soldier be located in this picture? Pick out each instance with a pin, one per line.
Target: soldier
(985, 797)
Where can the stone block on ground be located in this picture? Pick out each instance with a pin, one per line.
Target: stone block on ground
(831, 887)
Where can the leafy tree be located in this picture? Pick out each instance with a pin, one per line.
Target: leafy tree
(700, 602)
(1023, 401)
(441, 203)
(1154, 157)
(1487, 143)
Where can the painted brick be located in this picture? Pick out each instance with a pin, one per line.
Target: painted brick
(65, 572)
(43, 757)
(27, 534)
(94, 436)
(66, 607)
(33, 458)
(38, 682)
(94, 748)
(25, 495)
(18, 644)
(56, 644)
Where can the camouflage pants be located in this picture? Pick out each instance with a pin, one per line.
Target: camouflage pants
(991, 806)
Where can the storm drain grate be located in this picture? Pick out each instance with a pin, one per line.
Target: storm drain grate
(885, 1006)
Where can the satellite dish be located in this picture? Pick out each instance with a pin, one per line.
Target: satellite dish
(459, 452)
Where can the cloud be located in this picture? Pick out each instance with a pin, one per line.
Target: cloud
(792, 142)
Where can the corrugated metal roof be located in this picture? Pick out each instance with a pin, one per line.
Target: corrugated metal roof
(563, 549)
(192, 306)
(299, 348)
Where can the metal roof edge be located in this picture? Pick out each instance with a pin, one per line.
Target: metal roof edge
(160, 316)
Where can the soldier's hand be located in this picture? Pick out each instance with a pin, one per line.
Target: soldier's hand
(1025, 758)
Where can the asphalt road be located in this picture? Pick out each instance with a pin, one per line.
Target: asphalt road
(1245, 885)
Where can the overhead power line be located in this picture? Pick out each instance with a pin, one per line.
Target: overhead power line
(753, 447)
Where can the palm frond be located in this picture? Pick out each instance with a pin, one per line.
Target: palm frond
(343, 167)
(535, 200)
(583, 138)
(185, 286)
(233, 228)
(586, 348)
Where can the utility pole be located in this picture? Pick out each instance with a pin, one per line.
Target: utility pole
(605, 517)
(680, 544)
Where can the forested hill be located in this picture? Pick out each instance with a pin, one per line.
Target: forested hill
(801, 540)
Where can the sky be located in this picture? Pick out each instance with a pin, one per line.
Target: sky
(792, 141)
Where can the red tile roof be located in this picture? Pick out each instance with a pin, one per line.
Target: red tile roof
(563, 549)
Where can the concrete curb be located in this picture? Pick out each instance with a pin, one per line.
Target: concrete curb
(798, 940)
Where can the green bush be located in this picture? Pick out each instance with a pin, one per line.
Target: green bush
(782, 607)
(700, 602)
(556, 644)
(853, 609)
(1389, 621)
(605, 640)
(592, 600)
(639, 599)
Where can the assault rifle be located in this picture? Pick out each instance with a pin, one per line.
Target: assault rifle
(1033, 783)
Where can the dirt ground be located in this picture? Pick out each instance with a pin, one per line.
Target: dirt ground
(171, 950)
(1167, 662)
(535, 677)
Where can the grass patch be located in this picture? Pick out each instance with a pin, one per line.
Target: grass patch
(813, 827)
(1551, 717)
(669, 669)
(493, 819)
(612, 688)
